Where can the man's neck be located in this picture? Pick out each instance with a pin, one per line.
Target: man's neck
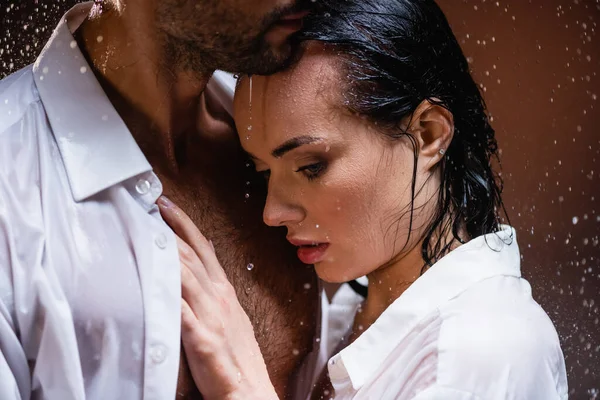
(158, 101)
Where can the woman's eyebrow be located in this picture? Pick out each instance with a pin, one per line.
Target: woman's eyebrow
(293, 143)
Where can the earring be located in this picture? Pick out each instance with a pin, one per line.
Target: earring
(442, 151)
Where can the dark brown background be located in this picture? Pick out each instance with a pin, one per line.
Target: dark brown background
(537, 62)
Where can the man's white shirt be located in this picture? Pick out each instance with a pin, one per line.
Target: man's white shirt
(89, 273)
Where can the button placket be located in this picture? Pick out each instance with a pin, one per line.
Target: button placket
(161, 240)
(158, 353)
(146, 189)
(142, 186)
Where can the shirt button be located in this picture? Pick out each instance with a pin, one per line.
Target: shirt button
(158, 353)
(142, 186)
(161, 240)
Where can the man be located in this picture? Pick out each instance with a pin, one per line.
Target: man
(114, 112)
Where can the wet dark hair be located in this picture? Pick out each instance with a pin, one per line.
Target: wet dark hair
(397, 53)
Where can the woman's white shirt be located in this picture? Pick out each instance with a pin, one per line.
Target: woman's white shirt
(468, 328)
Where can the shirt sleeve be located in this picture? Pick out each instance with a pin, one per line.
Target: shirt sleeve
(15, 382)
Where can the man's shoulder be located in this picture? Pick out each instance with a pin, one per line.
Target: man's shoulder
(17, 93)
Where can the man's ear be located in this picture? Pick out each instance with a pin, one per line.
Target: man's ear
(433, 128)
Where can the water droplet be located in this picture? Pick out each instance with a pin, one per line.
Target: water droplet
(317, 226)
(249, 127)
(250, 99)
(83, 70)
(73, 44)
(295, 352)
(575, 220)
(247, 195)
(250, 267)
(99, 38)
(307, 286)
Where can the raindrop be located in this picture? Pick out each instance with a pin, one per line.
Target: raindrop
(250, 267)
(247, 195)
(575, 220)
(250, 99)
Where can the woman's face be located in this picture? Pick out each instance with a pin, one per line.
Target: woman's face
(342, 189)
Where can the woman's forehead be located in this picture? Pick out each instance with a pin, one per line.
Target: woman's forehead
(313, 81)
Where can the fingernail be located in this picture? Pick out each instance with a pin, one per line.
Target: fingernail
(163, 201)
(212, 246)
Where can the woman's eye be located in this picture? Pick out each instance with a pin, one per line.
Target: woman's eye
(312, 171)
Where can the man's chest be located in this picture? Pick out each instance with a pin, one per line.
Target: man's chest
(225, 200)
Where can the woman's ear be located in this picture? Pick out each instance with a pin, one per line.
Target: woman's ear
(433, 128)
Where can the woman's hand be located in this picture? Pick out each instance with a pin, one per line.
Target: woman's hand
(218, 338)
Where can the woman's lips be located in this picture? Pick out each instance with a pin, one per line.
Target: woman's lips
(310, 252)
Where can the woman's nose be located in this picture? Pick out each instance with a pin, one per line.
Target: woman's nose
(281, 209)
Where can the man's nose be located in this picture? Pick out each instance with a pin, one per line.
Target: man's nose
(281, 209)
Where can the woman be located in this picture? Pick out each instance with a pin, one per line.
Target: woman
(377, 152)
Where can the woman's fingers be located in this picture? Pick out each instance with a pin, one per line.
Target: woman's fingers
(187, 230)
(193, 291)
(188, 258)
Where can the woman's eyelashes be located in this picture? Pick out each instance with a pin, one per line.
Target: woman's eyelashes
(313, 171)
(310, 171)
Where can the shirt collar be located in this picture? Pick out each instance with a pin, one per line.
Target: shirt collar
(97, 149)
(481, 258)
